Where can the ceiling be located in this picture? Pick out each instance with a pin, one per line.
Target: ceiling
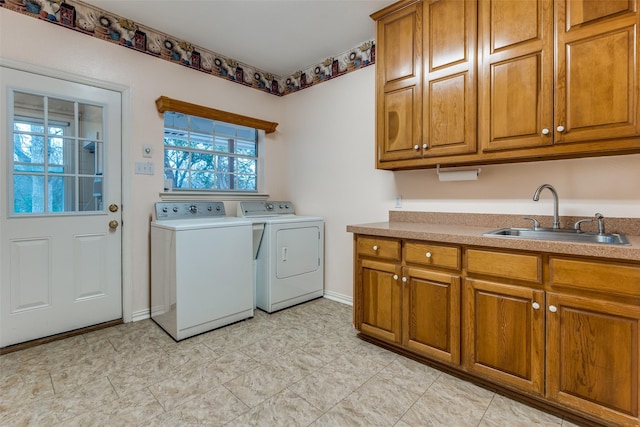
(277, 36)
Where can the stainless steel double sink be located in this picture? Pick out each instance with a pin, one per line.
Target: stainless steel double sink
(559, 234)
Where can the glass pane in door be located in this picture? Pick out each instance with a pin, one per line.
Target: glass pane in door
(57, 155)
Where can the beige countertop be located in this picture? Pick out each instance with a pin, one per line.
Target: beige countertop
(468, 229)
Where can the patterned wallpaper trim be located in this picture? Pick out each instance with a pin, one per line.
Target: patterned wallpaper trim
(90, 20)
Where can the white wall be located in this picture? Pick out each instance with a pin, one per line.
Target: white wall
(37, 42)
(330, 134)
(322, 155)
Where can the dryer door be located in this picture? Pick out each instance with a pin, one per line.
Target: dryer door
(297, 251)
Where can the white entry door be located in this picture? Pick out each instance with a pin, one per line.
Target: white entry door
(60, 211)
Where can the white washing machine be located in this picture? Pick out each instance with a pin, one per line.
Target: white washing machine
(201, 268)
(288, 252)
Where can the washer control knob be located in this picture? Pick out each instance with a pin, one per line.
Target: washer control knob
(193, 209)
(281, 206)
(209, 208)
(269, 206)
(165, 210)
(218, 208)
(175, 209)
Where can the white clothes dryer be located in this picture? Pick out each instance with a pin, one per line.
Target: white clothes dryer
(201, 268)
(288, 254)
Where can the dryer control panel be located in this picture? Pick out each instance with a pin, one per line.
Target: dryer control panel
(268, 208)
(188, 210)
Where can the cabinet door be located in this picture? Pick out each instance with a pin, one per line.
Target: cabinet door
(597, 70)
(592, 356)
(450, 88)
(516, 78)
(432, 314)
(398, 84)
(504, 334)
(381, 300)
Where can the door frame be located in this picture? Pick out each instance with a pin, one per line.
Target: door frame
(127, 236)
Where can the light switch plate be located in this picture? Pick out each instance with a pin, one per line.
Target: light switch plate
(144, 168)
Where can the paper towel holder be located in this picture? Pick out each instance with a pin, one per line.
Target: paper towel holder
(457, 174)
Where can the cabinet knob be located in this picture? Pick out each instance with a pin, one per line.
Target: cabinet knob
(416, 147)
(545, 131)
(375, 247)
(425, 146)
(560, 128)
(404, 280)
(395, 277)
(428, 254)
(535, 305)
(553, 308)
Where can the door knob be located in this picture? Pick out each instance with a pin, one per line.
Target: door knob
(113, 207)
(113, 224)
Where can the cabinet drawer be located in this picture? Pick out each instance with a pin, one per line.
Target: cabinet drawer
(432, 255)
(379, 247)
(596, 276)
(517, 266)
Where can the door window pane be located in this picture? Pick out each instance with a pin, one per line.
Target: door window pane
(55, 168)
(29, 193)
(61, 194)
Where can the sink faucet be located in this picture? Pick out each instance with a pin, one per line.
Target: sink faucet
(536, 196)
(600, 219)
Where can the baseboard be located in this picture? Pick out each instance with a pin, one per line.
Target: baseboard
(140, 315)
(334, 296)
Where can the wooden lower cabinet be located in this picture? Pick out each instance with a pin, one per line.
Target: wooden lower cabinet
(381, 293)
(560, 330)
(505, 334)
(409, 300)
(431, 317)
(592, 356)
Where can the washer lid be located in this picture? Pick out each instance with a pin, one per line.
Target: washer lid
(202, 223)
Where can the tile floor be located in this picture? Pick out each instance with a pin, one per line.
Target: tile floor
(299, 367)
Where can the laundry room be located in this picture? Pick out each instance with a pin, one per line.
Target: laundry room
(309, 173)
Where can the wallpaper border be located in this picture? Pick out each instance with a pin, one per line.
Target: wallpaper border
(93, 21)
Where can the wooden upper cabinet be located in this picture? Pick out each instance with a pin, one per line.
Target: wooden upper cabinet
(582, 88)
(462, 82)
(516, 79)
(597, 70)
(426, 81)
(450, 89)
(398, 82)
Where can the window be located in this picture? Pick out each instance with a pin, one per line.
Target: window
(205, 154)
(53, 170)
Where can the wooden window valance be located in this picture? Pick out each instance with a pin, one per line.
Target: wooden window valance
(167, 104)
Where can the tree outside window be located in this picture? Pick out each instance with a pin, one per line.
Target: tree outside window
(204, 154)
